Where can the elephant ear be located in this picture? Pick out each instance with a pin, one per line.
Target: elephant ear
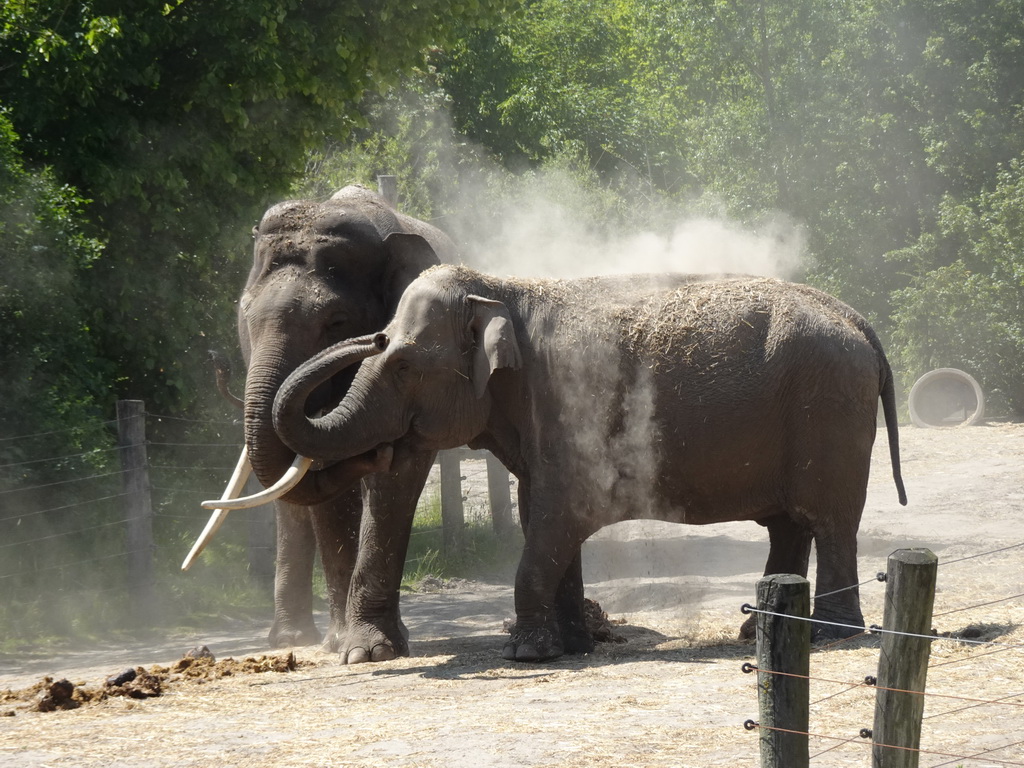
(408, 255)
(496, 343)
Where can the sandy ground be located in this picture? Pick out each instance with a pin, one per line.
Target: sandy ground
(673, 695)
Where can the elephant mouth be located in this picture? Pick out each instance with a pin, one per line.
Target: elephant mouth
(367, 458)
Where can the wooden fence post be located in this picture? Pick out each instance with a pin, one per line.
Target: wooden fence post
(131, 439)
(903, 660)
(388, 188)
(453, 518)
(499, 494)
(784, 646)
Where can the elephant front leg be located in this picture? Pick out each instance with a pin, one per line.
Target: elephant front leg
(570, 611)
(541, 590)
(336, 525)
(293, 579)
(373, 625)
(569, 602)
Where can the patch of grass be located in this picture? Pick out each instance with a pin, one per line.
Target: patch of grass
(482, 554)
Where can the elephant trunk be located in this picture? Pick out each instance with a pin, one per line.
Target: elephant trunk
(270, 457)
(346, 431)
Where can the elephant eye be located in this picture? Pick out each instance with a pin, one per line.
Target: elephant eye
(338, 327)
(405, 371)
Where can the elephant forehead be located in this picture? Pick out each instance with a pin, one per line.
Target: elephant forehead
(422, 306)
(328, 218)
(289, 216)
(345, 221)
(354, 256)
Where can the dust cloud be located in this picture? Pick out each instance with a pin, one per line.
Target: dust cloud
(550, 228)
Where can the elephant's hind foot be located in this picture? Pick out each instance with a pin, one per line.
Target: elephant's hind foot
(284, 634)
(835, 628)
(577, 640)
(748, 629)
(532, 645)
(819, 632)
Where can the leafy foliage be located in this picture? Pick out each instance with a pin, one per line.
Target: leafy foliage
(968, 311)
(181, 122)
(139, 142)
(48, 356)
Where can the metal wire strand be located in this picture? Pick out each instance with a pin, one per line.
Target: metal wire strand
(753, 725)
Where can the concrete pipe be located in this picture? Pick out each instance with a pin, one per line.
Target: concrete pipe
(946, 397)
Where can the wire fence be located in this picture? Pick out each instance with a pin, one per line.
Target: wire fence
(981, 702)
(64, 544)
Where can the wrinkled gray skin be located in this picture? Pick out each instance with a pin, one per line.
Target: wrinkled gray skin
(672, 398)
(323, 272)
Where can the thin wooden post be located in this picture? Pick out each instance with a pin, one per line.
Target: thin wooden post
(903, 660)
(499, 494)
(453, 518)
(388, 188)
(784, 647)
(131, 431)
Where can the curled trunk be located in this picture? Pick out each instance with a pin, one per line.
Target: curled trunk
(346, 431)
(271, 457)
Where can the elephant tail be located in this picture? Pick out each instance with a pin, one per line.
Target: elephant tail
(887, 391)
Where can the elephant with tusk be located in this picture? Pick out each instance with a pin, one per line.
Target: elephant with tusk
(687, 399)
(324, 271)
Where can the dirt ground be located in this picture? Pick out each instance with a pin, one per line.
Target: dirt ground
(672, 695)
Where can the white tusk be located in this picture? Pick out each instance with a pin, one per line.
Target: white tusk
(288, 480)
(235, 485)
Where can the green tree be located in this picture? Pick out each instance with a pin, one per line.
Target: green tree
(968, 312)
(868, 123)
(599, 76)
(181, 122)
(48, 347)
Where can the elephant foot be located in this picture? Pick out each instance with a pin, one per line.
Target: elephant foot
(577, 641)
(840, 628)
(533, 645)
(577, 637)
(574, 626)
(748, 629)
(285, 634)
(360, 643)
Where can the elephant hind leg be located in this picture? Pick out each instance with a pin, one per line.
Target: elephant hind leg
(336, 525)
(789, 552)
(836, 590)
(789, 546)
(293, 580)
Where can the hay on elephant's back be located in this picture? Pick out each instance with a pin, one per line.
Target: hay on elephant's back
(706, 313)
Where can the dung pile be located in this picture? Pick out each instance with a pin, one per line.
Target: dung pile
(196, 666)
(598, 623)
